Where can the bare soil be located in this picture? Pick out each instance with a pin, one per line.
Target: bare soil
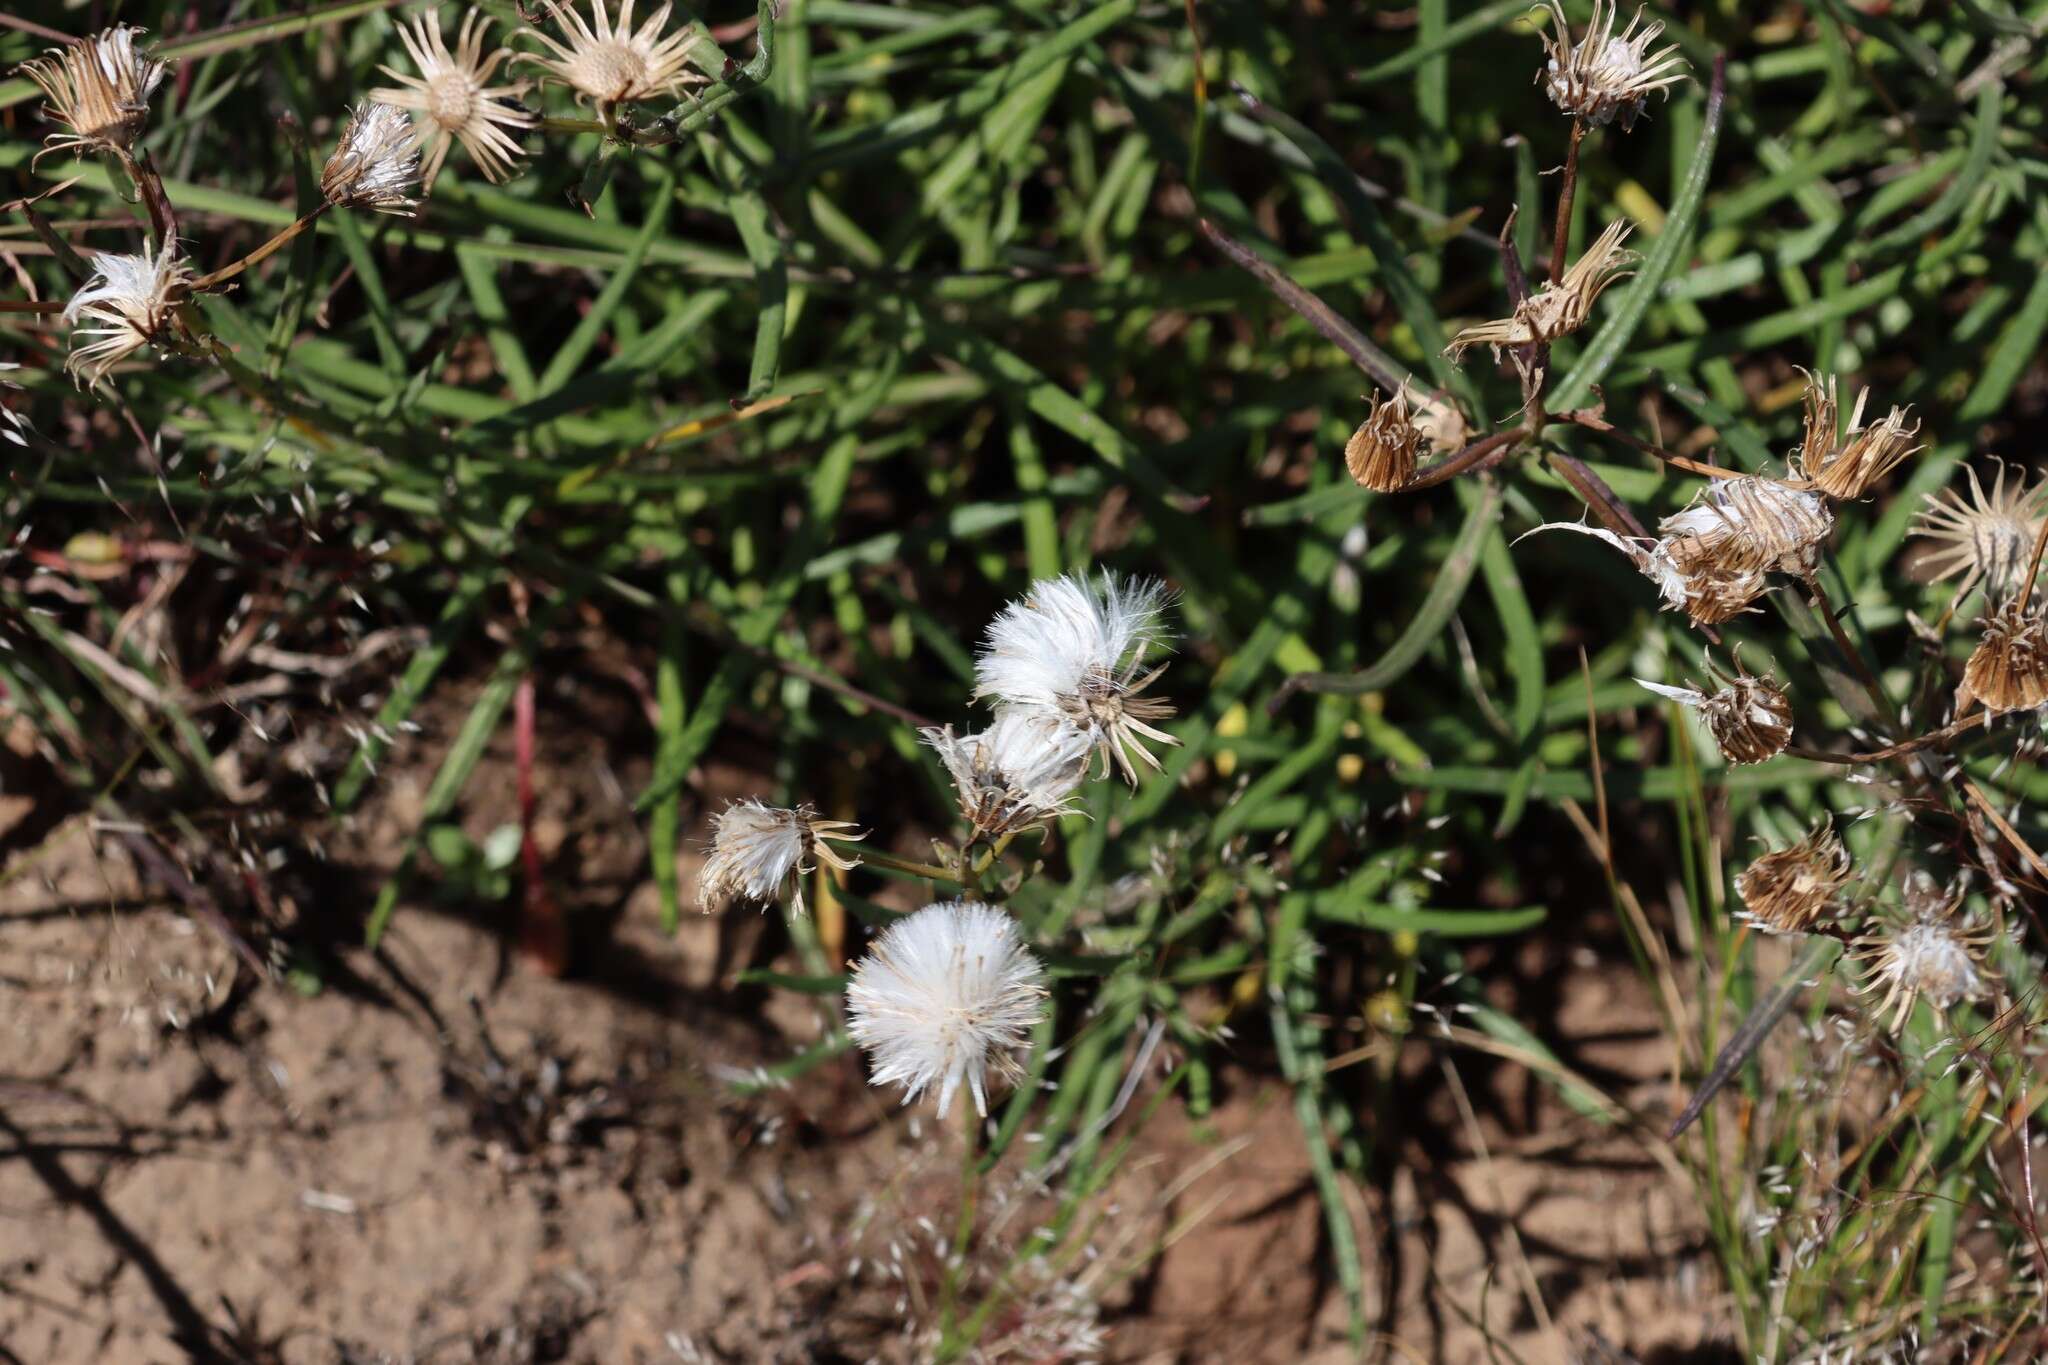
(443, 1155)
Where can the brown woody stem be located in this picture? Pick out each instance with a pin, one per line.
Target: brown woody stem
(1481, 454)
(1847, 647)
(1594, 492)
(261, 253)
(1925, 741)
(1594, 422)
(1319, 315)
(1561, 238)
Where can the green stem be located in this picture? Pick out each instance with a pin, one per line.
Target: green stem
(963, 1232)
(877, 858)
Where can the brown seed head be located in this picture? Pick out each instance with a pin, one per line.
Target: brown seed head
(1381, 454)
(1750, 717)
(2008, 671)
(98, 88)
(1605, 74)
(1788, 891)
(1848, 470)
(1749, 524)
(1560, 307)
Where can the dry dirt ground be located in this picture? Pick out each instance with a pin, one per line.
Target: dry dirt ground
(442, 1155)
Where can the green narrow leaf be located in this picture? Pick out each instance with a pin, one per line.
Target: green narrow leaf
(1614, 335)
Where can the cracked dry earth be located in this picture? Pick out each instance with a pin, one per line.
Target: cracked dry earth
(443, 1156)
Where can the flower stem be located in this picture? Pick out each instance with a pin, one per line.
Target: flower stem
(1561, 237)
(1847, 647)
(261, 253)
(1904, 747)
(963, 1229)
(1478, 455)
(877, 858)
(1592, 421)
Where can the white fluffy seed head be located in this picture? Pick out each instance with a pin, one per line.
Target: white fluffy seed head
(1021, 771)
(376, 165)
(1076, 649)
(130, 302)
(1067, 636)
(947, 995)
(757, 849)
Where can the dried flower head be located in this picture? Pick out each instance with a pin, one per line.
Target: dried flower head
(132, 302)
(1559, 307)
(1381, 454)
(1933, 955)
(98, 88)
(1606, 74)
(1706, 593)
(1788, 891)
(376, 164)
(611, 64)
(1849, 469)
(14, 428)
(2008, 671)
(1020, 772)
(1750, 718)
(1750, 524)
(757, 849)
(1077, 650)
(1984, 538)
(454, 98)
(947, 995)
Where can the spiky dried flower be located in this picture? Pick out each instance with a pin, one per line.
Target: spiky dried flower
(1788, 891)
(98, 88)
(2008, 670)
(1020, 772)
(1749, 717)
(1559, 307)
(1077, 651)
(1848, 469)
(1605, 73)
(133, 302)
(453, 96)
(1933, 955)
(947, 996)
(376, 164)
(1985, 538)
(757, 849)
(610, 64)
(1382, 453)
